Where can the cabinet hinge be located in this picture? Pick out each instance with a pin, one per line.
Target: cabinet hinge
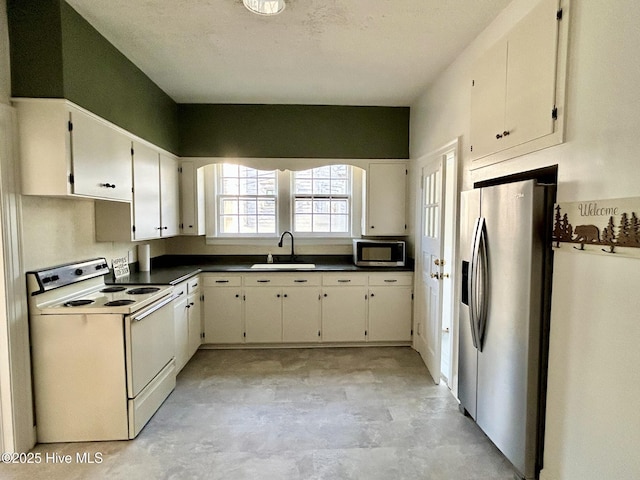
(70, 125)
(365, 333)
(244, 334)
(202, 297)
(181, 226)
(412, 296)
(471, 148)
(559, 15)
(554, 113)
(318, 332)
(71, 179)
(473, 83)
(405, 226)
(412, 331)
(132, 152)
(179, 169)
(406, 171)
(133, 228)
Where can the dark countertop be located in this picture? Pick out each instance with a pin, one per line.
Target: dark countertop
(173, 269)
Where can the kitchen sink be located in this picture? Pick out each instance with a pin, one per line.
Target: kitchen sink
(283, 266)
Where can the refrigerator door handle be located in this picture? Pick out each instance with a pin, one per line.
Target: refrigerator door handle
(482, 284)
(472, 282)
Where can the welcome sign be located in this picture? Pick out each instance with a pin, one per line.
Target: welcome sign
(599, 226)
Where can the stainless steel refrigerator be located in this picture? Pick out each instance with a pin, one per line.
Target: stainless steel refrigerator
(504, 311)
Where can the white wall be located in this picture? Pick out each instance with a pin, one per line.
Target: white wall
(593, 423)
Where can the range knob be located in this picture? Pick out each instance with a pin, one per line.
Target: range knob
(79, 271)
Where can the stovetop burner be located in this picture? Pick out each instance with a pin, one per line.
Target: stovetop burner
(142, 290)
(113, 289)
(78, 303)
(119, 303)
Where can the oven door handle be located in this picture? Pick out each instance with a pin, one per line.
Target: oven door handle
(154, 308)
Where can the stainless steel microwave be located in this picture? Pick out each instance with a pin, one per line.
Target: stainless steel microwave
(379, 253)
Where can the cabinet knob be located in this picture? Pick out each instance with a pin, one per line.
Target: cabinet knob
(506, 132)
(325, 294)
(285, 295)
(108, 185)
(278, 295)
(237, 295)
(372, 295)
(498, 136)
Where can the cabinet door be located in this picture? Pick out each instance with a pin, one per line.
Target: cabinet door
(101, 159)
(301, 314)
(146, 188)
(191, 200)
(195, 323)
(344, 311)
(385, 199)
(181, 319)
(389, 314)
(223, 315)
(263, 314)
(169, 200)
(487, 101)
(531, 75)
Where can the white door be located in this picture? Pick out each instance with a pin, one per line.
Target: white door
(429, 271)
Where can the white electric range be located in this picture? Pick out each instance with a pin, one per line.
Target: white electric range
(103, 356)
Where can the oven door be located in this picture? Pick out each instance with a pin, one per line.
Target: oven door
(149, 343)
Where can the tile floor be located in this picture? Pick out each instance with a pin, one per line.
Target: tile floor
(337, 413)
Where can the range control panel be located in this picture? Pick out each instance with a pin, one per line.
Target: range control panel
(67, 274)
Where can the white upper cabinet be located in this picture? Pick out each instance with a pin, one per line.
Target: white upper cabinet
(155, 208)
(169, 196)
(67, 151)
(385, 199)
(146, 192)
(514, 95)
(191, 200)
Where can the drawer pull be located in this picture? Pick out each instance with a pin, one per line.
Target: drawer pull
(194, 285)
(391, 280)
(341, 280)
(300, 281)
(221, 281)
(263, 281)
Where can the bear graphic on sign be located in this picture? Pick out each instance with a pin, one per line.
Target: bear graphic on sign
(586, 234)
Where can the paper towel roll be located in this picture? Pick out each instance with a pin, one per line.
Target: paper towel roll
(144, 257)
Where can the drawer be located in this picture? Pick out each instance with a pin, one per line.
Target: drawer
(193, 285)
(347, 279)
(221, 281)
(283, 280)
(391, 279)
(180, 290)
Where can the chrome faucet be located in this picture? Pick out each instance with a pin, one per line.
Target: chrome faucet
(282, 238)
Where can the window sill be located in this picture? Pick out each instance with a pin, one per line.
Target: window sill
(271, 241)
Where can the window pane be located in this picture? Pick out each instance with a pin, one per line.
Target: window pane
(321, 206)
(248, 186)
(229, 206)
(321, 223)
(339, 187)
(322, 186)
(303, 186)
(229, 224)
(302, 223)
(340, 206)
(302, 206)
(230, 186)
(339, 223)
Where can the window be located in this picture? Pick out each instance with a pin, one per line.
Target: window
(321, 200)
(247, 201)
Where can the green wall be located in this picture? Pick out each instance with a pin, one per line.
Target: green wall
(291, 131)
(55, 53)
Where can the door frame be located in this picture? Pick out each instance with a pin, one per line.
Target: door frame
(451, 174)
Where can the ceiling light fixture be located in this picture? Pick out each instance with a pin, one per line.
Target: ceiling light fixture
(264, 7)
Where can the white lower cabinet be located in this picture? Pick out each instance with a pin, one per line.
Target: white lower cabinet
(263, 314)
(181, 322)
(188, 320)
(223, 322)
(390, 306)
(307, 308)
(344, 307)
(194, 304)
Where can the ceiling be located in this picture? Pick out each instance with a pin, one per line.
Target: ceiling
(317, 52)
